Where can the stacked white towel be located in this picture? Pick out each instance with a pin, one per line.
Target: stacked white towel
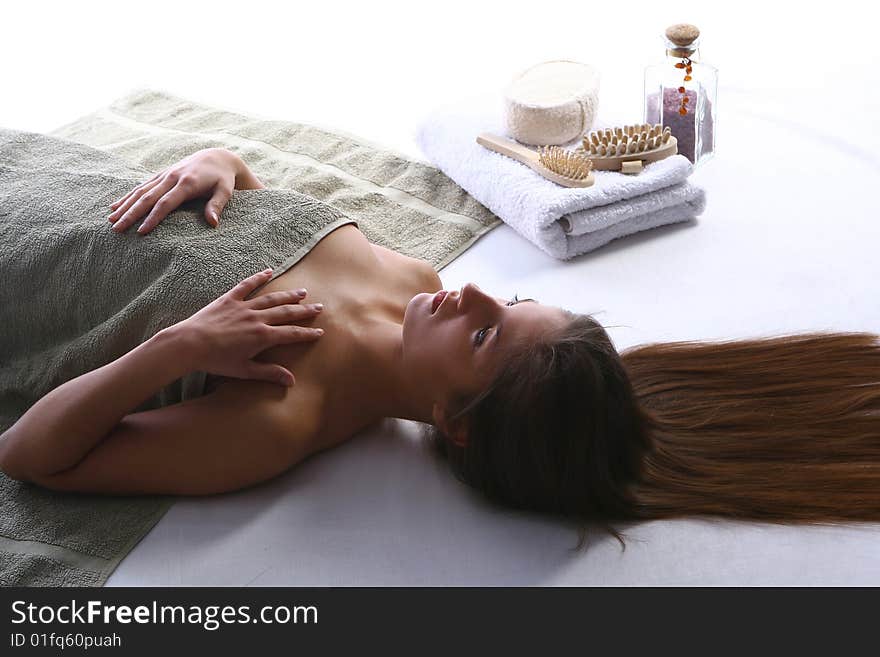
(564, 222)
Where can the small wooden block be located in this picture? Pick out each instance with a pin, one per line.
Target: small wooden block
(633, 166)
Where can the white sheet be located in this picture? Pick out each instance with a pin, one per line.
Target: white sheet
(788, 243)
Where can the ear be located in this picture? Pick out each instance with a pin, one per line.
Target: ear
(456, 432)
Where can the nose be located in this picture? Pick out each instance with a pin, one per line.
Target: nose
(472, 296)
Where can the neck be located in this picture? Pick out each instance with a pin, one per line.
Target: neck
(388, 388)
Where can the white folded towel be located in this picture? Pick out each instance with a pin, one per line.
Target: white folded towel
(564, 222)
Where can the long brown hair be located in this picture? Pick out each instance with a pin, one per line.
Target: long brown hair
(781, 429)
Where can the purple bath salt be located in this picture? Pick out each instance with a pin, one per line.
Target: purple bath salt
(685, 127)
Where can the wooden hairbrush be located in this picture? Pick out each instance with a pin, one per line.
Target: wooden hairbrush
(627, 148)
(564, 167)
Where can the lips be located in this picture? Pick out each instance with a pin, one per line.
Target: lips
(438, 299)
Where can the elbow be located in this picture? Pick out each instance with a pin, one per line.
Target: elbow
(11, 462)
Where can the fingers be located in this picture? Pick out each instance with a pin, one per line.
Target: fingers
(250, 284)
(277, 299)
(215, 205)
(162, 208)
(290, 313)
(116, 204)
(288, 334)
(130, 199)
(140, 206)
(270, 372)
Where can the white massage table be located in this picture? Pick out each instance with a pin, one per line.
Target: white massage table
(785, 247)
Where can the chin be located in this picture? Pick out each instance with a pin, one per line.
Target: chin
(417, 310)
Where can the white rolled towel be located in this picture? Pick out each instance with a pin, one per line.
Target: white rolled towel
(552, 103)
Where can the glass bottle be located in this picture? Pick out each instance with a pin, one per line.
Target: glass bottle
(689, 89)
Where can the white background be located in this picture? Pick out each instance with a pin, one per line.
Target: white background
(374, 68)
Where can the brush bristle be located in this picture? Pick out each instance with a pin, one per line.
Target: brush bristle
(626, 140)
(566, 163)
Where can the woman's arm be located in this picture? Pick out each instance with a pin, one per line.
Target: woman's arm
(66, 424)
(212, 173)
(222, 338)
(244, 433)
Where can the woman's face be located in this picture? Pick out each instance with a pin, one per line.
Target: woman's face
(455, 340)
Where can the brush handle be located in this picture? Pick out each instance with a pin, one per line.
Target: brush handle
(510, 149)
(530, 158)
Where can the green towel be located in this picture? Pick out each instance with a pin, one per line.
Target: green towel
(57, 250)
(404, 205)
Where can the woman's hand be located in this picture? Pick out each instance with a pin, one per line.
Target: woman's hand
(225, 335)
(213, 172)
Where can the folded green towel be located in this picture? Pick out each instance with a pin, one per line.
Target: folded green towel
(76, 295)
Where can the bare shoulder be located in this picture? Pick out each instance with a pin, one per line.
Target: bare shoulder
(346, 239)
(422, 271)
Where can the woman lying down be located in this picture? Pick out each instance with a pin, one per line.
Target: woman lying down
(530, 404)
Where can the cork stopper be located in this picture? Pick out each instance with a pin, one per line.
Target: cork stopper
(682, 34)
(683, 38)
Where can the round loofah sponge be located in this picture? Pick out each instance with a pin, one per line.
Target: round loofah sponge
(552, 103)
